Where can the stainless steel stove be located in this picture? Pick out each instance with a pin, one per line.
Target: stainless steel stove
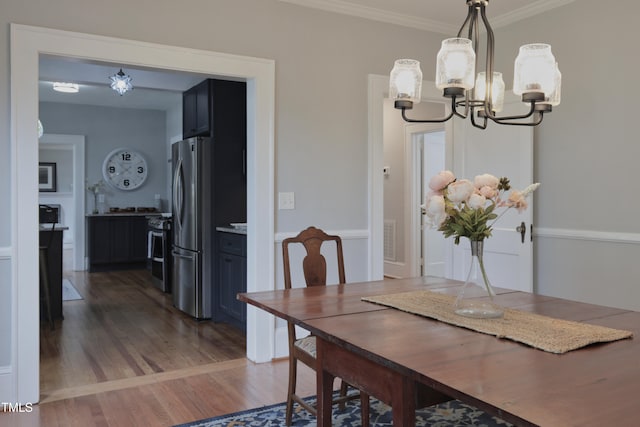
(159, 254)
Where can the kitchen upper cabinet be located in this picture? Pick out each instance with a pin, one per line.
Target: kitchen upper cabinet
(196, 111)
(218, 109)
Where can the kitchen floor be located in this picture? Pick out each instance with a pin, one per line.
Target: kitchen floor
(124, 329)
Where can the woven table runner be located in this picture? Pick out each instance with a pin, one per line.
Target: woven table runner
(541, 332)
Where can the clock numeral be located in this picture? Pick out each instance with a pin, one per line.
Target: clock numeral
(126, 182)
(140, 169)
(126, 157)
(112, 169)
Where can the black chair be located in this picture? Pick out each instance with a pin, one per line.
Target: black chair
(44, 264)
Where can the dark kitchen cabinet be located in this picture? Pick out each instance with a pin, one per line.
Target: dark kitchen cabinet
(196, 110)
(218, 109)
(117, 242)
(232, 279)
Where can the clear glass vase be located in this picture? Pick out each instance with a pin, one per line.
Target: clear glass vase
(475, 298)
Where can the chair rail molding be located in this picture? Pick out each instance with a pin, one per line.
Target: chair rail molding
(587, 235)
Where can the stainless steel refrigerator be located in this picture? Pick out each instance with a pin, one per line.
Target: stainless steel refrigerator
(193, 226)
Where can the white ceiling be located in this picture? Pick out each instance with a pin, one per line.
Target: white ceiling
(161, 89)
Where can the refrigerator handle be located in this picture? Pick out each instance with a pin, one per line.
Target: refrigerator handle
(179, 255)
(178, 186)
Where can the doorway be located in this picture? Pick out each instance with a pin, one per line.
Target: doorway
(74, 208)
(27, 43)
(412, 153)
(430, 147)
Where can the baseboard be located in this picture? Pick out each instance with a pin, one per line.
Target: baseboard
(281, 343)
(394, 269)
(7, 391)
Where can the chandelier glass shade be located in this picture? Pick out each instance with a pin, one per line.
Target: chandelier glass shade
(480, 96)
(121, 82)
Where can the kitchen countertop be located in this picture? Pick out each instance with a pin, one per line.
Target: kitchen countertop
(47, 227)
(232, 230)
(126, 214)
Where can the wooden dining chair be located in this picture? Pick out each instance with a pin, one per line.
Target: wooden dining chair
(314, 267)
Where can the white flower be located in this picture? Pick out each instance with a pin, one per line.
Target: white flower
(459, 191)
(530, 189)
(476, 201)
(435, 211)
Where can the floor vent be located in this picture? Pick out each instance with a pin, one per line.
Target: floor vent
(389, 240)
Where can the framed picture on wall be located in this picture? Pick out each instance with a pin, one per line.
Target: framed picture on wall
(47, 177)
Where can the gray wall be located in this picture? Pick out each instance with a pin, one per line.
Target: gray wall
(586, 154)
(106, 129)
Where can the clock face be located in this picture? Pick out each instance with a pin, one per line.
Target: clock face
(125, 169)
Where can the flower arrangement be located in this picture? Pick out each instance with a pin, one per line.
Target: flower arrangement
(96, 188)
(461, 208)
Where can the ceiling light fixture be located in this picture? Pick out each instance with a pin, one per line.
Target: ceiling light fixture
(121, 82)
(66, 87)
(536, 78)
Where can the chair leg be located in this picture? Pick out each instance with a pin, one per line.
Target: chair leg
(44, 284)
(343, 393)
(293, 367)
(364, 408)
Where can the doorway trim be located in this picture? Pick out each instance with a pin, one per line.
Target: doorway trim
(26, 44)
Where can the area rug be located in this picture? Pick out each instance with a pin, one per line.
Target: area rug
(449, 414)
(69, 292)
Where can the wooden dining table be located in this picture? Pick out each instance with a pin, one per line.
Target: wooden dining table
(410, 361)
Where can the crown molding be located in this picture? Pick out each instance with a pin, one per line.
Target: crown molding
(381, 15)
(532, 9)
(374, 14)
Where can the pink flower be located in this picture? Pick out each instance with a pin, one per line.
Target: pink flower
(517, 200)
(441, 180)
(488, 192)
(486, 180)
(459, 191)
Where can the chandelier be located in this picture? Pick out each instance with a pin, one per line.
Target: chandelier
(120, 82)
(536, 78)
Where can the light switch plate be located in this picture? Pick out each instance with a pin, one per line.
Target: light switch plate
(286, 201)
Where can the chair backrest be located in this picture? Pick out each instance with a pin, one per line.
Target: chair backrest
(49, 215)
(314, 264)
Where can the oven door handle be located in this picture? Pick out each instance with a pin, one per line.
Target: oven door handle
(151, 242)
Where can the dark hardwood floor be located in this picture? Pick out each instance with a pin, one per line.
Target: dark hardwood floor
(124, 356)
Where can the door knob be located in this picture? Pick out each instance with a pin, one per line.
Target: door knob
(522, 229)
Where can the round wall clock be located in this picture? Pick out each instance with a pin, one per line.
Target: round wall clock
(125, 169)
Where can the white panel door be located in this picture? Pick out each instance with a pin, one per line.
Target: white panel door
(500, 150)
